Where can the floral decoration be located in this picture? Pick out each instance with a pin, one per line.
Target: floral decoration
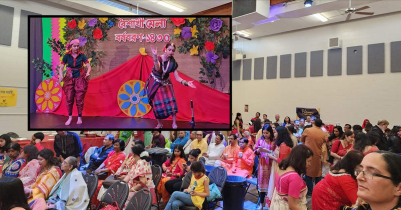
(211, 57)
(72, 24)
(186, 32)
(178, 21)
(132, 99)
(215, 24)
(92, 22)
(209, 45)
(48, 96)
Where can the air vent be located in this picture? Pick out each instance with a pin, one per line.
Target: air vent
(334, 43)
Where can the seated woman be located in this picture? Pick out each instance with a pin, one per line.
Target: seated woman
(230, 154)
(364, 144)
(247, 135)
(31, 168)
(379, 182)
(173, 169)
(140, 176)
(48, 177)
(12, 167)
(339, 186)
(196, 193)
(175, 184)
(71, 191)
(113, 161)
(340, 147)
(244, 164)
(12, 194)
(5, 142)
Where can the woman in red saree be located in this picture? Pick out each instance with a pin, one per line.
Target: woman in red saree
(173, 169)
(341, 147)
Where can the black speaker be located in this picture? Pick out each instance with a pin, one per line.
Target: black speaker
(243, 7)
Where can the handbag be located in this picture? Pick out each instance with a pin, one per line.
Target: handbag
(214, 193)
(113, 206)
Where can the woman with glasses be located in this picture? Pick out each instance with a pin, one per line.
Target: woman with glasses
(339, 186)
(379, 182)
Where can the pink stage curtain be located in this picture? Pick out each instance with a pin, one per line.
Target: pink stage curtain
(101, 99)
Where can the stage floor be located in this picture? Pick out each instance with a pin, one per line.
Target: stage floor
(44, 121)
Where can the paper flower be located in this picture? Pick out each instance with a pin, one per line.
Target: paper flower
(191, 19)
(209, 45)
(177, 31)
(81, 24)
(194, 50)
(215, 24)
(111, 24)
(178, 21)
(103, 20)
(97, 33)
(142, 51)
(211, 57)
(92, 22)
(133, 100)
(72, 24)
(82, 41)
(194, 31)
(48, 96)
(186, 32)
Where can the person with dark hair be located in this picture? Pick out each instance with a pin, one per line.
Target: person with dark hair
(339, 186)
(230, 154)
(282, 150)
(302, 123)
(214, 150)
(292, 191)
(158, 136)
(37, 138)
(200, 142)
(196, 193)
(379, 182)
(340, 148)
(173, 168)
(175, 184)
(347, 127)
(337, 134)
(314, 138)
(368, 127)
(357, 128)
(243, 165)
(31, 168)
(48, 177)
(238, 124)
(71, 191)
(264, 146)
(159, 87)
(393, 134)
(100, 154)
(12, 167)
(67, 144)
(291, 131)
(287, 121)
(183, 137)
(397, 144)
(12, 196)
(140, 176)
(113, 161)
(5, 142)
(364, 144)
(365, 122)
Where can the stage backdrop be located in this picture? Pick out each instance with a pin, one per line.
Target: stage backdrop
(304, 112)
(118, 53)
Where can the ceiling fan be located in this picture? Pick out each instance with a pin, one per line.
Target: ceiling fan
(352, 10)
(238, 35)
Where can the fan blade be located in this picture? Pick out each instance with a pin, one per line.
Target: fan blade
(245, 37)
(348, 17)
(362, 8)
(364, 13)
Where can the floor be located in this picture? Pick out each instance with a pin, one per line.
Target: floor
(44, 121)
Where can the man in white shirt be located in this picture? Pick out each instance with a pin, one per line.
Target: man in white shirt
(213, 139)
(187, 146)
(214, 150)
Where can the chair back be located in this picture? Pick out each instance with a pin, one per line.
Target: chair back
(156, 174)
(91, 182)
(142, 200)
(186, 181)
(218, 176)
(117, 192)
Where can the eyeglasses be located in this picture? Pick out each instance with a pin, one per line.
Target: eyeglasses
(369, 174)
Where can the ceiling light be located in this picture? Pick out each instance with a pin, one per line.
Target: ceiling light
(320, 17)
(170, 6)
(243, 33)
(308, 3)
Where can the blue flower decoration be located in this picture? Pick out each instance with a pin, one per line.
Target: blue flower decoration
(52, 73)
(134, 99)
(111, 24)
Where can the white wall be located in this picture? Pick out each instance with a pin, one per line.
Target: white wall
(342, 99)
(14, 69)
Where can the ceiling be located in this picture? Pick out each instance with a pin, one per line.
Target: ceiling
(335, 15)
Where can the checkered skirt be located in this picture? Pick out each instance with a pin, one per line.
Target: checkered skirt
(164, 103)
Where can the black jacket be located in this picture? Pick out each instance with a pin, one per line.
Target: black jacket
(382, 143)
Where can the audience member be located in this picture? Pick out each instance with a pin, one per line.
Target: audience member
(67, 144)
(162, 140)
(341, 147)
(200, 142)
(5, 142)
(291, 131)
(238, 124)
(302, 123)
(364, 144)
(243, 166)
(100, 154)
(188, 145)
(368, 128)
(12, 167)
(381, 126)
(113, 161)
(31, 168)
(347, 127)
(287, 121)
(277, 118)
(183, 137)
(12, 196)
(37, 138)
(230, 154)
(214, 151)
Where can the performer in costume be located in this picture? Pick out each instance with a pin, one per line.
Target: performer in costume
(159, 87)
(75, 81)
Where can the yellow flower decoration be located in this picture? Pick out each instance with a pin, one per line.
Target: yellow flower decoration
(191, 19)
(48, 98)
(194, 50)
(81, 24)
(142, 51)
(177, 31)
(194, 31)
(103, 20)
